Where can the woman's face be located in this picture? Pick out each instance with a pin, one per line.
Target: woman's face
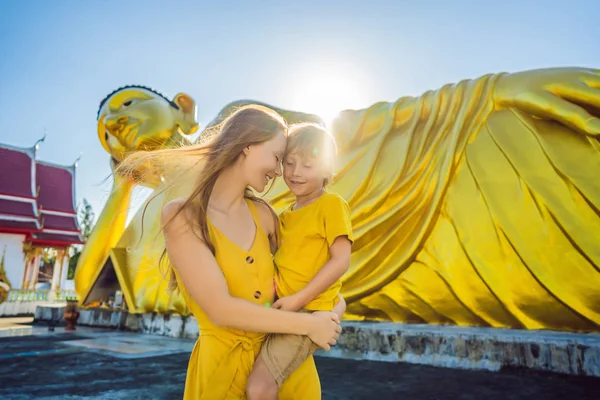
(263, 161)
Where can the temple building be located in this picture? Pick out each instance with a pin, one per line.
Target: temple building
(38, 221)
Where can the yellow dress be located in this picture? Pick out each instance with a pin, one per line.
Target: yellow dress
(223, 358)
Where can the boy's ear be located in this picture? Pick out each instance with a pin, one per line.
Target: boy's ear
(327, 179)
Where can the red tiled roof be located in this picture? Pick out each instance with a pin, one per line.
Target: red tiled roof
(11, 226)
(56, 187)
(52, 188)
(16, 166)
(54, 239)
(13, 207)
(60, 222)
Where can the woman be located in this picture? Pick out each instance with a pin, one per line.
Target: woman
(219, 241)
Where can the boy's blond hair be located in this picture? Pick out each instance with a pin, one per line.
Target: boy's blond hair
(312, 141)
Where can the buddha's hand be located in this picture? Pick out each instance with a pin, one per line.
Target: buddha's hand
(570, 96)
(121, 178)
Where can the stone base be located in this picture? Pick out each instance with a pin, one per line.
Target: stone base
(172, 325)
(50, 313)
(19, 308)
(471, 347)
(105, 318)
(442, 346)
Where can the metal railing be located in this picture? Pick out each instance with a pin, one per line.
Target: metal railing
(65, 295)
(15, 295)
(27, 295)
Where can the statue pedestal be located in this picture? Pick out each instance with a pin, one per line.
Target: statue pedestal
(50, 314)
(470, 347)
(447, 346)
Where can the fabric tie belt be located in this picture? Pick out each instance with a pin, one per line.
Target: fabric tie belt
(239, 358)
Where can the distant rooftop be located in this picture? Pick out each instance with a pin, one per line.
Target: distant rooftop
(37, 198)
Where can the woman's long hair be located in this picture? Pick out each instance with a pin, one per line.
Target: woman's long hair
(219, 149)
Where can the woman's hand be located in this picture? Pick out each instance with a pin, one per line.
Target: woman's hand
(325, 330)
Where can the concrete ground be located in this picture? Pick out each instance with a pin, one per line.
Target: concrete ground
(96, 364)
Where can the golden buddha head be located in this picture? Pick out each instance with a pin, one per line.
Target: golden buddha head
(134, 118)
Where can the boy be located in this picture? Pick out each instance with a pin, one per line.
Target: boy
(314, 252)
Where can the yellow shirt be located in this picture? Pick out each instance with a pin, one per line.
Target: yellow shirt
(306, 235)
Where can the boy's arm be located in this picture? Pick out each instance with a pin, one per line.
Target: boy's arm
(330, 273)
(340, 307)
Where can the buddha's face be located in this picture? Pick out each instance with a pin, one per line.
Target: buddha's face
(134, 118)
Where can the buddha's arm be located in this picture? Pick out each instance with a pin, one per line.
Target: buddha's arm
(107, 232)
(565, 95)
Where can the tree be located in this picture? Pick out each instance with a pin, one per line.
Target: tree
(85, 216)
(86, 219)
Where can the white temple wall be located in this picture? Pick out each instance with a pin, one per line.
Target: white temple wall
(14, 263)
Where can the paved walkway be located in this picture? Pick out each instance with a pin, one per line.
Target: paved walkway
(91, 363)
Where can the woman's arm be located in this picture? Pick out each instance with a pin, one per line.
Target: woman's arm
(206, 284)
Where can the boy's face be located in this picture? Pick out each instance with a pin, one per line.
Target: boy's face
(303, 175)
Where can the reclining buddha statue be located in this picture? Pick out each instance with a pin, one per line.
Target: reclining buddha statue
(475, 204)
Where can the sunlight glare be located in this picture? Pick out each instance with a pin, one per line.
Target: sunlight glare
(325, 95)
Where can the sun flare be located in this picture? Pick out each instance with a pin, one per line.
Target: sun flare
(325, 95)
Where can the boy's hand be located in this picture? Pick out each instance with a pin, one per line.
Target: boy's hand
(290, 303)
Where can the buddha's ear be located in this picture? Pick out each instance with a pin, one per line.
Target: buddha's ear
(102, 135)
(187, 118)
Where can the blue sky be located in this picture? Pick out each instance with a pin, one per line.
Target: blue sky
(58, 59)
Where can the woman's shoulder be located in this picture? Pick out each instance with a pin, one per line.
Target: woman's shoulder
(172, 208)
(266, 214)
(175, 216)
